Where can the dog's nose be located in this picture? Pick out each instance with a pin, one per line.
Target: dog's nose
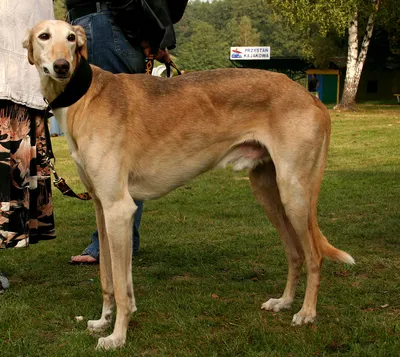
(61, 66)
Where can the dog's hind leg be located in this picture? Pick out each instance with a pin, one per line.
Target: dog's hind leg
(105, 274)
(118, 214)
(299, 190)
(296, 192)
(265, 189)
(299, 174)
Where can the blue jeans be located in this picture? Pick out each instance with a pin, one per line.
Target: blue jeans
(109, 50)
(54, 127)
(93, 248)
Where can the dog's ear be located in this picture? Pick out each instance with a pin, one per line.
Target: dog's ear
(81, 46)
(27, 43)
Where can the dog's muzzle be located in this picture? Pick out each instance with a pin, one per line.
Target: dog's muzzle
(61, 67)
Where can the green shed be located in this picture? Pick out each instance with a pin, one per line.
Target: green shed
(329, 81)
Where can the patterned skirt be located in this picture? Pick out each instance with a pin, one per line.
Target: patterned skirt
(26, 205)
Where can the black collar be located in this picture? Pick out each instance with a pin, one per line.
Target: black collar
(76, 88)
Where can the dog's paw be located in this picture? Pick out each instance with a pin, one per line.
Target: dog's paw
(277, 304)
(303, 319)
(110, 342)
(98, 325)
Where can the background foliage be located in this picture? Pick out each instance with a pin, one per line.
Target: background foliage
(313, 29)
(235, 23)
(59, 9)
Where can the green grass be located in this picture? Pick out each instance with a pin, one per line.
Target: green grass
(209, 259)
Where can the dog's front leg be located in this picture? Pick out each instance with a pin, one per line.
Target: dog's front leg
(118, 216)
(105, 274)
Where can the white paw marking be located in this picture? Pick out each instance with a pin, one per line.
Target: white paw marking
(276, 304)
(301, 319)
(98, 325)
(110, 342)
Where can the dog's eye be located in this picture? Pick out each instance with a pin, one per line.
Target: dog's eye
(71, 37)
(44, 36)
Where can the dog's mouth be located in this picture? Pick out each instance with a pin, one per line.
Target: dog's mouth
(62, 77)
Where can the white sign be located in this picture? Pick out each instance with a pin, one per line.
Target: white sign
(250, 53)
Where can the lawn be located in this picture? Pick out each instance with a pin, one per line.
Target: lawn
(209, 258)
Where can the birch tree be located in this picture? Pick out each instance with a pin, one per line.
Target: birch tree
(321, 16)
(356, 56)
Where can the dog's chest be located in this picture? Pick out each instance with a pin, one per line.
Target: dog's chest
(61, 117)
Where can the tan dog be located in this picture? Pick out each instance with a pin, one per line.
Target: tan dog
(138, 136)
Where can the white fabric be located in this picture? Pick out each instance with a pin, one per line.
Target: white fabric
(19, 81)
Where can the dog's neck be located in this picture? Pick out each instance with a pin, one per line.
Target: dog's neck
(59, 94)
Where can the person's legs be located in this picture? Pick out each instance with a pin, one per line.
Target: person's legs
(41, 220)
(90, 255)
(93, 248)
(109, 50)
(136, 226)
(25, 185)
(108, 47)
(55, 129)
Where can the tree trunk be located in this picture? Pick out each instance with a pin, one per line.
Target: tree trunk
(355, 61)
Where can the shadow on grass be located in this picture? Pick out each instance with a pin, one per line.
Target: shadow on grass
(209, 259)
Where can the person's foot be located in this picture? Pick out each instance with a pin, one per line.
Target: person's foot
(3, 283)
(83, 259)
(23, 243)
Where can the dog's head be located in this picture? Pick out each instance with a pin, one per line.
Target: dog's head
(55, 47)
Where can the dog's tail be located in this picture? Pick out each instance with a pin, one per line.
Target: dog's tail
(330, 252)
(326, 249)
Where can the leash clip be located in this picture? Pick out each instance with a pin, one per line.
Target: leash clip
(53, 170)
